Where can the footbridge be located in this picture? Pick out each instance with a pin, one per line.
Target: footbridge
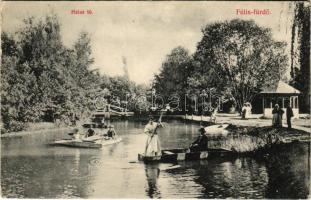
(110, 110)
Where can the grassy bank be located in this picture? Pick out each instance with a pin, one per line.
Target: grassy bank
(36, 128)
(244, 139)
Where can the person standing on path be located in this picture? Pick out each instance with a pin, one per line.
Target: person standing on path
(244, 110)
(289, 115)
(277, 113)
(248, 110)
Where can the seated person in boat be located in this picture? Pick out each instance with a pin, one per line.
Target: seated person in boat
(101, 123)
(90, 132)
(200, 144)
(111, 132)
(103, 120)
(75, 134)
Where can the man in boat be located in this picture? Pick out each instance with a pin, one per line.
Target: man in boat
(153, 147)
(200, 144)
(90, 132)
(111, 132)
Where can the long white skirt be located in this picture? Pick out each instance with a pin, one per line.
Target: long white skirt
(153, 146)
(275, 119)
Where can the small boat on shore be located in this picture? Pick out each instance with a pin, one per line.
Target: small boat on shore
(215, 130)
(173, 155)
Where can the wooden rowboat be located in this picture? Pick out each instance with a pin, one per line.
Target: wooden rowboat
(85, 143)
(174, 155)
(77, 143)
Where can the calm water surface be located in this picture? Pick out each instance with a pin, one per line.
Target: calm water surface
(32, 169)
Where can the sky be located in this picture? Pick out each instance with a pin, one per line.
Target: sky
(143, 32)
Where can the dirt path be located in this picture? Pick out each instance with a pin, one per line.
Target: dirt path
(255, 120)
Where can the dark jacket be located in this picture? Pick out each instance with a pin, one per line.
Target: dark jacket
(274, 111)
(289, 112)
(278, 111)
(90, 132)
(201, 141)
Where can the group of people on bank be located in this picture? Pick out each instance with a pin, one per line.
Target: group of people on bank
(277, 116)
(246, 110)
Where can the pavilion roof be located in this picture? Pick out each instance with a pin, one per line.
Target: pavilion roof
(280, 88)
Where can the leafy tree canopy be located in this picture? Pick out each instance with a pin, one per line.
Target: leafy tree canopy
(242, 56)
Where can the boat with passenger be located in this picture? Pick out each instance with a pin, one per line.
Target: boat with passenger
(198, 150)
(175, 155)
(90, 139)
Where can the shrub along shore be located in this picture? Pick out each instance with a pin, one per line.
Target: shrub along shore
(244, 139)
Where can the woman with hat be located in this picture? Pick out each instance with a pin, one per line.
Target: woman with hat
(277, 113)
(153, 147)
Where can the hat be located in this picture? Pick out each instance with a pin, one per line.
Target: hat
(150, 117)
(75, 130)
(111, 126)
(202, 130)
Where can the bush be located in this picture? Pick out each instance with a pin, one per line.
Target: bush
(14, 126)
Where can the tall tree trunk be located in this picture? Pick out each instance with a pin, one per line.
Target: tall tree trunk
(300, 51)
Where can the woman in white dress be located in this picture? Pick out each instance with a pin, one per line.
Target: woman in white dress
(248, 112)
(153, 146)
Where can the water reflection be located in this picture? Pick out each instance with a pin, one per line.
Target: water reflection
(37, 176)
(289, 172)
(152, 174)
(221, 178)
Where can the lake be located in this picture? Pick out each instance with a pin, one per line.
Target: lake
(32, 169)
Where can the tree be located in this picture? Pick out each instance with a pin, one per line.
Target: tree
(240, 57)
(40, 75)
(173, 77)
(42, 79)
(300, 52)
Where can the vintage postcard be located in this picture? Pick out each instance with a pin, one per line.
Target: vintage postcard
(155, 99)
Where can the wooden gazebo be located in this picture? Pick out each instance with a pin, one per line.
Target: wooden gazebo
(282, 94)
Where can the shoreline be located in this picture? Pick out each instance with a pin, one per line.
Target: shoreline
(255, 120)
(28, 132)
(233, 119)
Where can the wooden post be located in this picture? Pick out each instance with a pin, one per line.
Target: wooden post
(282, 102)
(263, 105)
